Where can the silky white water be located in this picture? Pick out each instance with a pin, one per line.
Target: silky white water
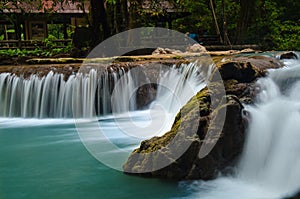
(42, 154)
(269, 167)
(42, 158)
(271, 154)
(93, 94)
(82, 95)
(176, 87)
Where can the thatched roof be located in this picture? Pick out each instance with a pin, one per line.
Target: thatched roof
(163, 10)
(46, 6)
(161, 6)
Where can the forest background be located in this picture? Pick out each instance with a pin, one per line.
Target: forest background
(273, 24)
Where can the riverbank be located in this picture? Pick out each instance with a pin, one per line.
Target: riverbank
(6, 60)
(66, 65)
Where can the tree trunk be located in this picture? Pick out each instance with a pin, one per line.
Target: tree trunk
(121, 16)
(99, 18)
(118, 17)
(216, 21)
(247, 9)
(124, 13)
(135, 6)
(103, 20)
(95, 23)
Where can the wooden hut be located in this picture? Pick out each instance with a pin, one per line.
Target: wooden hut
(21, 22)
(163, 12)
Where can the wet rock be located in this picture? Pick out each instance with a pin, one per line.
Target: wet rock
(196, 48)
(246, 69)
(145, 95)
(187, 138)
(202, 142)
(159, 51)
(248, 50)
(288, 55)
(296, 196)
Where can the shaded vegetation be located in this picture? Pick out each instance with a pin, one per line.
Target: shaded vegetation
(273, 24)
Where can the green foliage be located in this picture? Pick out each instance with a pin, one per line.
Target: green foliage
(56, 30)
(48, 50)
(273, 23)
(272, 30)
(231, 12)
(198, 20)
(286, 36)
(20, 52)
(49, 42)
(37, 52)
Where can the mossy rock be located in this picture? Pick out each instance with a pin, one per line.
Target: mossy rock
(199, 124)
(185, 134)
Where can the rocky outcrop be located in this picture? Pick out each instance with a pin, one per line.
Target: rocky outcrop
(41, 70)
(201, 142)
(196, 48)
(287, 55)
(246, 69)
(295, 197)
(159, 51)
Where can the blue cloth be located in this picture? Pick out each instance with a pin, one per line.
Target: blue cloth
(194, 36)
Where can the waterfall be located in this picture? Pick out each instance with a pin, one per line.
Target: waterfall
(82, 95)
(270, 162)
(175, 90)
(271, 156)
(85, 95)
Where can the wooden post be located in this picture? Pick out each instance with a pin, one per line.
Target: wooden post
(215, 20)
(65, 32)
(225, 34)
(6, 35)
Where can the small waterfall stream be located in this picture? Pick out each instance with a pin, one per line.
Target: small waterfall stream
(177, 86)
(269, 167)
(271, 156)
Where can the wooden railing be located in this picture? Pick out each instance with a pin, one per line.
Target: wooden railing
(32, 44)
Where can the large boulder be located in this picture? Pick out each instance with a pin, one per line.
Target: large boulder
(287, 55)
(159, 51)
(196, 48)
(246, 69)
(179, 153)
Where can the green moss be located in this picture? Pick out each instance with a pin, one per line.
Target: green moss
(54, 61)
(218, 59)
(200, 102)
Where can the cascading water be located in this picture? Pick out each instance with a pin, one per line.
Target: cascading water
(269, 165)
(91, 94)
(177, 86)
(36, 163)
(271, 155)
(53, 97)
